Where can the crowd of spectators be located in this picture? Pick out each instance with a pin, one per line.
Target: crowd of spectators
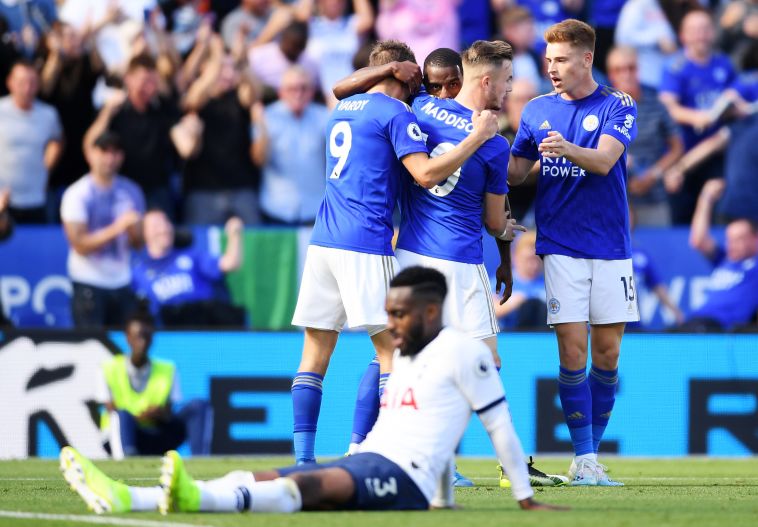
(215, 109)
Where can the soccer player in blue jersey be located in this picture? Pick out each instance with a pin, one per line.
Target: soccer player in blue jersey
(579, 133)
(372, 139)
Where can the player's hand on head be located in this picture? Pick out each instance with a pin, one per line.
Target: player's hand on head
(408, 73)
(554, 145)
(485, 123)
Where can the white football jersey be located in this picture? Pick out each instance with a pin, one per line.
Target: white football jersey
(427, 404)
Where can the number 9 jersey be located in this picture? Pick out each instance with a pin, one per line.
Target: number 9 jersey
(367, 136)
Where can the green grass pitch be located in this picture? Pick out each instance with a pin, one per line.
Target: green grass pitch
(678, 492)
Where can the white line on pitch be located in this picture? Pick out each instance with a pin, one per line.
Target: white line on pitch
(102, 520)
(58, 479)
(659, 478)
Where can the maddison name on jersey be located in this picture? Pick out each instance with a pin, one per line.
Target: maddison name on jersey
(449, 118)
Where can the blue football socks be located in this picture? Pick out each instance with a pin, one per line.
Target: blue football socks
(603, 385)
(366, 403)
(576, 401)
(306, 404)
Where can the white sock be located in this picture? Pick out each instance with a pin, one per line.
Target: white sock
(279, 495)
(226, 494)
(353, 448)
(145, 498)
(589, 457)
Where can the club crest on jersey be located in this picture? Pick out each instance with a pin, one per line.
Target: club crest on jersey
(414, 132)
(590, 123)
(483, 368)
(184, 263)
(553, 306)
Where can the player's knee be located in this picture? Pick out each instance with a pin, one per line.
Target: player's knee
(605, 356)
(573, 355)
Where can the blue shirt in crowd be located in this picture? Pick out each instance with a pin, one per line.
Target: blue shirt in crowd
(697, 86)
(731, 297)
(181, 276)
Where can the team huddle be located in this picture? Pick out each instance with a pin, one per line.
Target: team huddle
(426, 303)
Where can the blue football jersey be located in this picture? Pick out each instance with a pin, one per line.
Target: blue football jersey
(578, 213)
(446, 221)
(367, 135)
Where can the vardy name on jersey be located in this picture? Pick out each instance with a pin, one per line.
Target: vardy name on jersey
(578, 213)
(446, 221)
(367, 136)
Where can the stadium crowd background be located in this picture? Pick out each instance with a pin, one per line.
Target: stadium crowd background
(220, 106)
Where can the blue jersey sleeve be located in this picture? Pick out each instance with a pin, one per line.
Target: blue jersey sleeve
(405, 135)
(622, 121)
(524, 144)
(497, 171)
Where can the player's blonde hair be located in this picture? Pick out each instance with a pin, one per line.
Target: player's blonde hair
(386, 51)
(575, 32)
(487, 53)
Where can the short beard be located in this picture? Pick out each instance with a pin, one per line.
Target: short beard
(417, 342)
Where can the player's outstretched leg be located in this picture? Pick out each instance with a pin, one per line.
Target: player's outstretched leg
(99, 492)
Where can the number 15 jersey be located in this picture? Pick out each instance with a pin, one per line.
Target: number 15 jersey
(367, 136)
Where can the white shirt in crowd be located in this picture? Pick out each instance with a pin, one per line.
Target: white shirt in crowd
(24, 135)
(97, 207)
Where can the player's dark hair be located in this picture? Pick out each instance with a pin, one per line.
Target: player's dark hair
(575, 32)
(386, 51)
(141, 314)
(424, 282)
(141, 61)
(487, 53)
(443, 58)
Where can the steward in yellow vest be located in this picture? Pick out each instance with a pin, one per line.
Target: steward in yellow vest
(139, 393)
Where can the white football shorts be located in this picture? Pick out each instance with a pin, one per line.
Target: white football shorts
(468, 306)
(588, 290)
(340, 286)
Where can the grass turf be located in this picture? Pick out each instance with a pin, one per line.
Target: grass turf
(681, 492)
